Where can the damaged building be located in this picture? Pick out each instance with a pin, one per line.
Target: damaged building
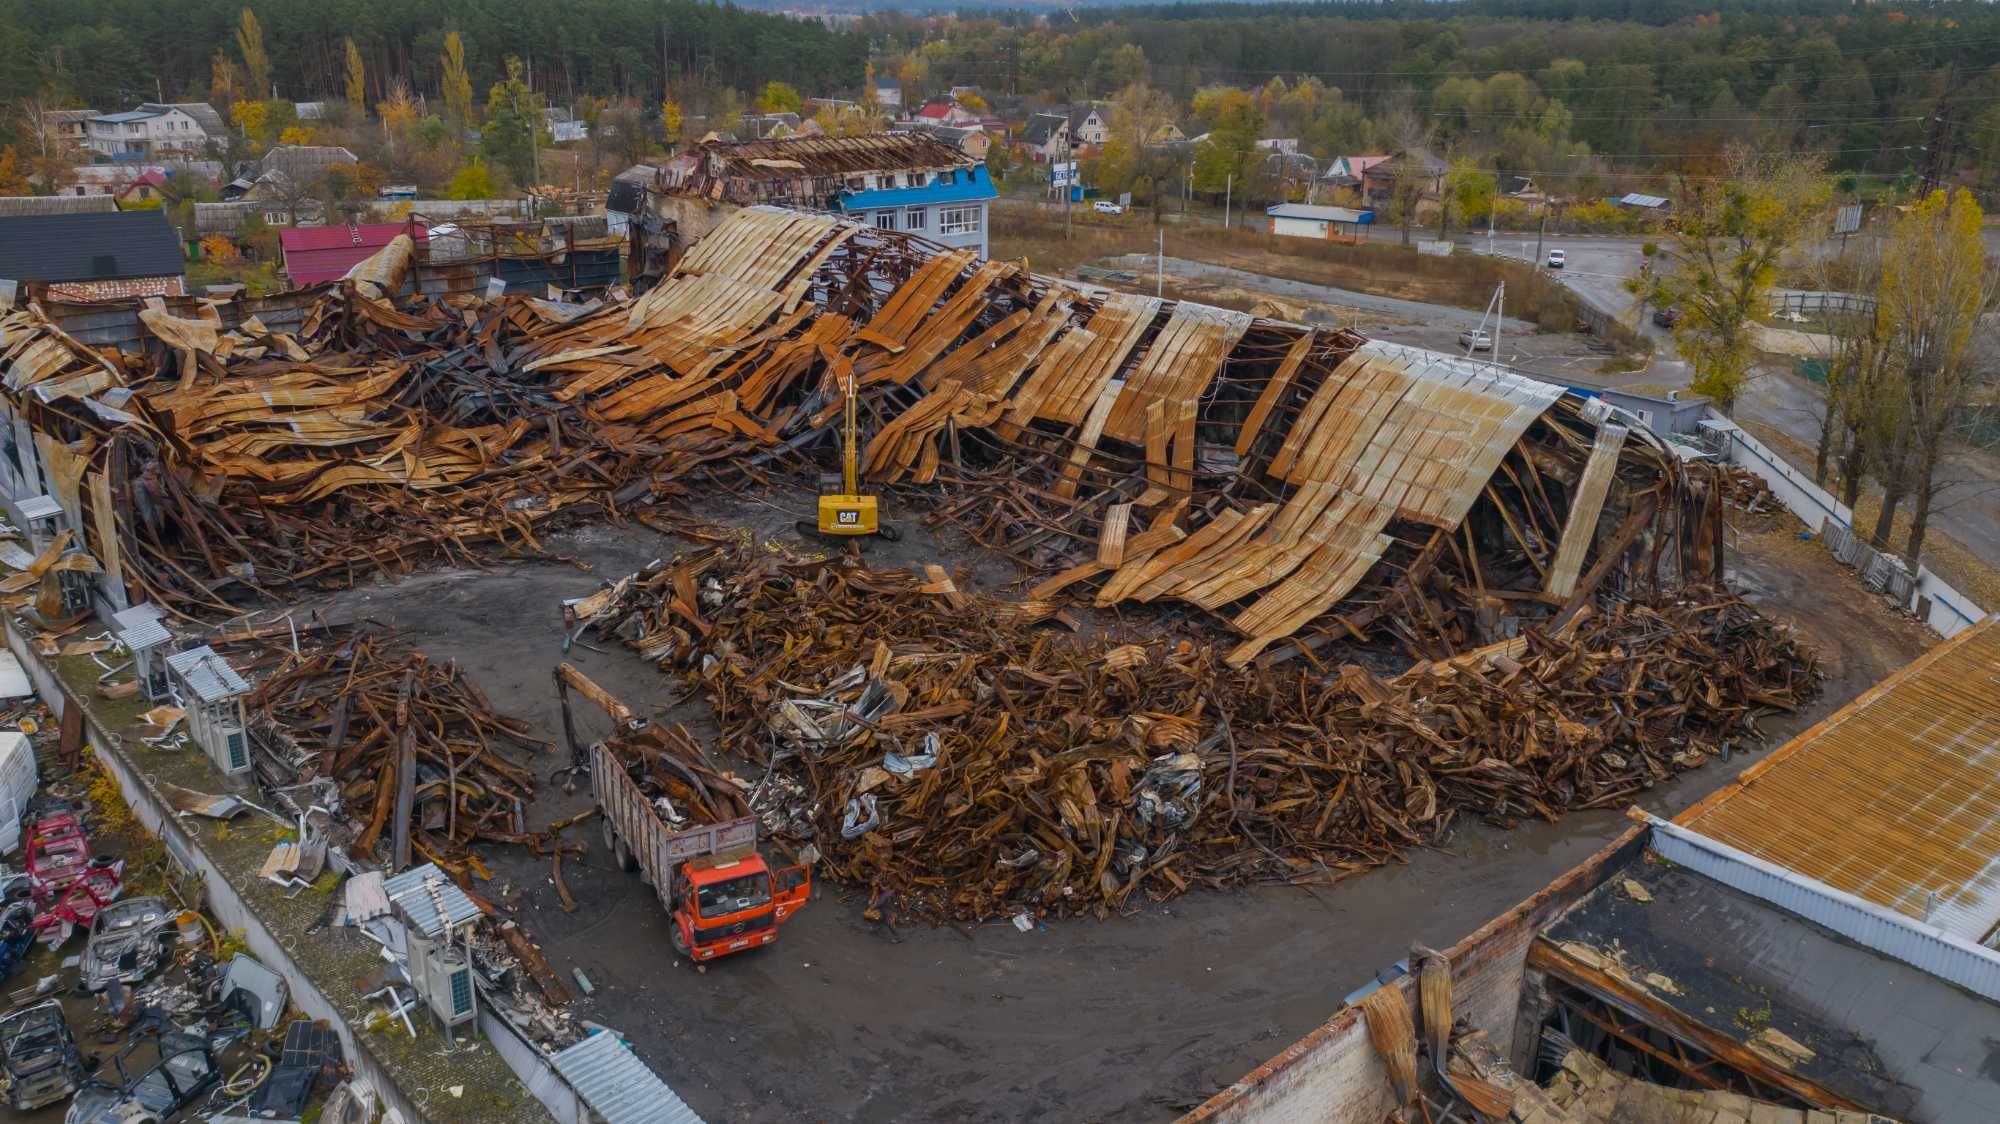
(1297, 602)
(1811, 943)
(910, 182)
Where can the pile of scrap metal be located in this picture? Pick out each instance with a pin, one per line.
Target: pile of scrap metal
(1305, 487)
(412, 745)
(949, 747)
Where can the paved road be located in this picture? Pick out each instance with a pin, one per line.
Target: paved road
(1318, 294)
(1968, 510)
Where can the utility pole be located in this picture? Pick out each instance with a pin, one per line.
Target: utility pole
(1160, 269)
(1068, 177)
(1228, 190)
(1539, 231)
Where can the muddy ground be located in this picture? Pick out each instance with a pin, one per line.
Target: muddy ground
(1136, 1018)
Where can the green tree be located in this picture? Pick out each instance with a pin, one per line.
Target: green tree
(1718, 265)
(778, 97)
(1224, 158)
(513, 122)
(1471, 190)
(256, 63)
(356, 80)
(1935, 286)
(455, 84)
(473, 181)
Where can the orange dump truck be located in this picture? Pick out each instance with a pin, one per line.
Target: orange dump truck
(721, 896)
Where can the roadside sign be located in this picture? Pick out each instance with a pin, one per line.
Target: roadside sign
(1062, 173)
(1848, 219)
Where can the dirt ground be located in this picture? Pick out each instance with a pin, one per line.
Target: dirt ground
(1136, 1018)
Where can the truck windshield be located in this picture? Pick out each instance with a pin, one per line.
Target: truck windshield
(735, 894)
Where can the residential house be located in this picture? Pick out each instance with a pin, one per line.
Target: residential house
(149, 185)
(325, 253)
(768, 126)
(1325, 224)
(888, 93)
(70, 127)
(158, 129)
(1088, 125)
(1047, 136)
(1378, 181)
(12, 205)
(1346, 171)
(972, 141)
(564, 128)
(89, 257)
(1285, 145)
(108, 179)
(305, 164)
(894, 181)
(944, 111)
(1166, 133)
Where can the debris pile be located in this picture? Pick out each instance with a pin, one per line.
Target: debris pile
(945, 746)
(412, 744)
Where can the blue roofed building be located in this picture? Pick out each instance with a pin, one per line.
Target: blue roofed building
(906, 182)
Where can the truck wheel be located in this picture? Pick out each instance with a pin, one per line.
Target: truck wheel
(627, 861)
(680, 942)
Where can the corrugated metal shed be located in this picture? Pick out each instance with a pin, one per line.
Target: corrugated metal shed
(617, 1085)
(207, 674)
(1895, 798)
(418, 893)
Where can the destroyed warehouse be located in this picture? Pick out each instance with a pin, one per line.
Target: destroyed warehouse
(1298, 602)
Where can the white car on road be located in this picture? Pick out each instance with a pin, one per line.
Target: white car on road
(1107, 207)
(1557, 258)
(1475, 339)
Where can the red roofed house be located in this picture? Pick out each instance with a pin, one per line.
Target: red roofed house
(325, 253)
(151, 184)
(945, 111)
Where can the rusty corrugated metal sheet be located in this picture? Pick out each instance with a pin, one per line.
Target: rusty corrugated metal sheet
(1895, 798)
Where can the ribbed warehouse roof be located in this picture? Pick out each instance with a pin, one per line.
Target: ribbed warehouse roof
(1894, 798)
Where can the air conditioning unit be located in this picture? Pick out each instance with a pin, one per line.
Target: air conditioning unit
(77, 588)
(442, 973)
(229, 748)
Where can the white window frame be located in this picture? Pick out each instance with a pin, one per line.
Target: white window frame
(916, 218)
(885, 220)
(960, 220)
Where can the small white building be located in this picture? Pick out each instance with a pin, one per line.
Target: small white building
(1327, 224)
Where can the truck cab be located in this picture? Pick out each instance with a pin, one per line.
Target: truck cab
(733, 901)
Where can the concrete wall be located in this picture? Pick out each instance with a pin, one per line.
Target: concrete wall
(1334, 1076)
(1939, 605)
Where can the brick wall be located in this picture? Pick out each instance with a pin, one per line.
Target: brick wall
(174, 286)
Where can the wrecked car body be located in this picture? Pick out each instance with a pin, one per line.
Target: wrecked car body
(39, 1064)
(127, 942)
(150, 1080)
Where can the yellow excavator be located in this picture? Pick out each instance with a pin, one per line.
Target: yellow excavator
(844, 510)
